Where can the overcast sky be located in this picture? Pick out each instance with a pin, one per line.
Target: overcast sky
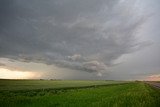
(80, 39)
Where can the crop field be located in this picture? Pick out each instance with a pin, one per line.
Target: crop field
(61, 93)
(45, 84)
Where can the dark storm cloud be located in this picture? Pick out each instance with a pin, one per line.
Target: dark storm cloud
(78, 34)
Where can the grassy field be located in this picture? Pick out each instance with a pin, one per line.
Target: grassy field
(116, 94)
(45, 84)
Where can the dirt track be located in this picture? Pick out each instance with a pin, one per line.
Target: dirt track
(154, 84)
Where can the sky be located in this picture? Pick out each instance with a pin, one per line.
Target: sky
(80, 39)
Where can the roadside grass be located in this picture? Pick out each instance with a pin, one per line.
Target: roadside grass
(135, 94)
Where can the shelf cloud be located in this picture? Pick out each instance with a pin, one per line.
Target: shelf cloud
(83, 35)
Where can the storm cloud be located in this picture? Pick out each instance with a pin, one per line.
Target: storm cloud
(85, 35)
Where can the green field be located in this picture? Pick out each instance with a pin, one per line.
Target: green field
(41, 93)
(45, 84)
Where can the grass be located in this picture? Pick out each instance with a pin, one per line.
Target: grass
(133, 94)
(45, 84)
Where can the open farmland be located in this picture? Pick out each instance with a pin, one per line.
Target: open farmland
(77, 94)
(45, 84)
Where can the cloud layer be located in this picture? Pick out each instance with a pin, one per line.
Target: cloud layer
(86, 35)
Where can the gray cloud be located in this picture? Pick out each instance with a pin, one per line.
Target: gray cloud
(1, 64)
(86, 35)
